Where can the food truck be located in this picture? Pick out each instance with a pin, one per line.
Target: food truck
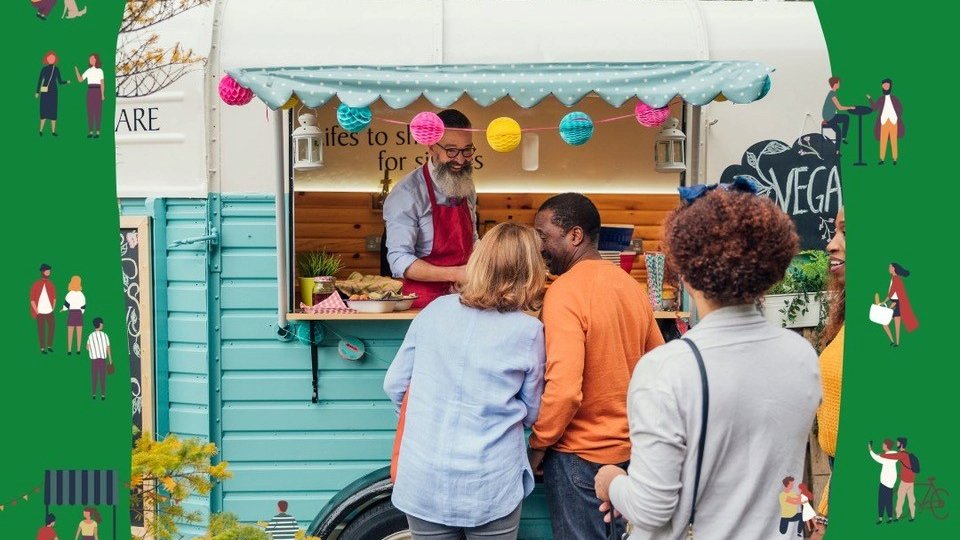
(224, 198)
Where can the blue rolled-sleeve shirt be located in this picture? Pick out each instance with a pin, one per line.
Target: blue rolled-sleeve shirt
(409, 220)
(475, 379)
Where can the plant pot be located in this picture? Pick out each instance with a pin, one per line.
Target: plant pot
(773, 303)
(306, 290)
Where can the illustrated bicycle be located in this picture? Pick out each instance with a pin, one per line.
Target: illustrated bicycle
(935, 499)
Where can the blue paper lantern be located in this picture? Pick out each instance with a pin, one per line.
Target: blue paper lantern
(576, 128)
(353, 119)
(766, 87)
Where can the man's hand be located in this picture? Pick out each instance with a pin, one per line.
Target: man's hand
(606, 507)
(536, 460)
(458, 274)
(605, 476)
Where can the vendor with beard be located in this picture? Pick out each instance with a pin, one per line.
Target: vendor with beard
(431, 216)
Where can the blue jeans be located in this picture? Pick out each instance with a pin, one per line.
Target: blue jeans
(574, 506)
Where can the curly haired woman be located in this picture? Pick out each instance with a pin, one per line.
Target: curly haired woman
(729, 246)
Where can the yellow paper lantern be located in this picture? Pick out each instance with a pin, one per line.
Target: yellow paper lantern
(503, 134)
(291, 103)
(720, 98)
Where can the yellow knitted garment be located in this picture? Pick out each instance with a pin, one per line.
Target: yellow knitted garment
(831, 376)
(828, 415)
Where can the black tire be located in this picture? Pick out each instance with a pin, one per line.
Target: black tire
(378, 522)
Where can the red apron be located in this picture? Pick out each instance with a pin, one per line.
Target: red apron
(452, 245)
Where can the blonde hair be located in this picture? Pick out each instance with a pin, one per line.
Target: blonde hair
(74, 284)
(506, 271)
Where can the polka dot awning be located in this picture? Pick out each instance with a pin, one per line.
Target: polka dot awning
(654, 83)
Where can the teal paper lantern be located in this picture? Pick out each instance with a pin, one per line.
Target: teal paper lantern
(766, 87)
(576, 128)
(353, 119)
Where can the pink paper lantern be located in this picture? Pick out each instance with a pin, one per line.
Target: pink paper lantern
(649, 116)
(232, 93)
(426, 128)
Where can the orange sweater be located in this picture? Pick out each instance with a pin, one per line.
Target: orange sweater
(598, 323)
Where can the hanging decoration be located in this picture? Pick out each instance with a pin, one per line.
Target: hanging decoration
(291, 103)
(232, 93)
(649, 116)
(353, 119)
(16, 500)
(576, 128)
(427, 128)
(720, 98)
(503, 134)
(351, 348)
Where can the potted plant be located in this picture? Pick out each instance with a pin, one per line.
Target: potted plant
(799, 299)
(317, 269)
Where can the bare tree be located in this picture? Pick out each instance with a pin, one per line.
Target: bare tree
(144, 66)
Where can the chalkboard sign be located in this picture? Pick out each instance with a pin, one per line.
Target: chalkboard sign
(135, 260)
(804, 179)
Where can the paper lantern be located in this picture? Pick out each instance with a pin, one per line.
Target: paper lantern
(232, 93)
(427, 128)
(720, 98)
(503, 134)
(291, 103)
(649, 116)
(766, 87)
(576, 128)
(353, 119)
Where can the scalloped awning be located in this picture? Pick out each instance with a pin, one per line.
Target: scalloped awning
(654, 83)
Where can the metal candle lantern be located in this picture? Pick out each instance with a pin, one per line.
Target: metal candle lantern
(307, 144)
(670, 153)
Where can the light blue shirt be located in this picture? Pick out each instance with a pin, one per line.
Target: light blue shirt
(409, 220)
(475, 379)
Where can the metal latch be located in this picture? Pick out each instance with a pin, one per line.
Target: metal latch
(213, 237)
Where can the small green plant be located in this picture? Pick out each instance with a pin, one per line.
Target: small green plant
(806, 277)
(318, 263)
(226, 526)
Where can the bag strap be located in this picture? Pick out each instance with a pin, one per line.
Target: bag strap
(705, 390)
(50, 79)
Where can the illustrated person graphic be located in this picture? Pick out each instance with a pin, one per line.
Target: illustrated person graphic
(43, 7)
(902, 310)
(909, 467)
(832, 116)
(283, 526)
(47, 84)
(888, 477)
(87, 530)
(70, 10)
(43, 298)
(47, 532)
(790, 503)
(74, 303)
(806, 500)
(98, 345)
(95, 94)
(889, 124)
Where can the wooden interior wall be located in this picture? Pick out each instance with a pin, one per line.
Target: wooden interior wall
(340, 222)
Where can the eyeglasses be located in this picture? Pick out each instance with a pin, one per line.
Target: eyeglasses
(452, 151)
(740, 183)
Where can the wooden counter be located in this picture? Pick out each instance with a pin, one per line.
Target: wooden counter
(411, 313)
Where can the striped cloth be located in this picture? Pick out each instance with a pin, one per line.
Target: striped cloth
(97, 345)
(283, 526)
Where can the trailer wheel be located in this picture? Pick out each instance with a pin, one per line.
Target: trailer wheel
(380, 522)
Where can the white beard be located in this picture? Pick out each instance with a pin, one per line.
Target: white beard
(458, 185)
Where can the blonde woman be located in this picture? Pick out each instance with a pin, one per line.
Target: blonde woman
(473, 363)
(87, 530)
(75, 304)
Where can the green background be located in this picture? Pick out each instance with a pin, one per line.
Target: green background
(61, 209)
(897, 214)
